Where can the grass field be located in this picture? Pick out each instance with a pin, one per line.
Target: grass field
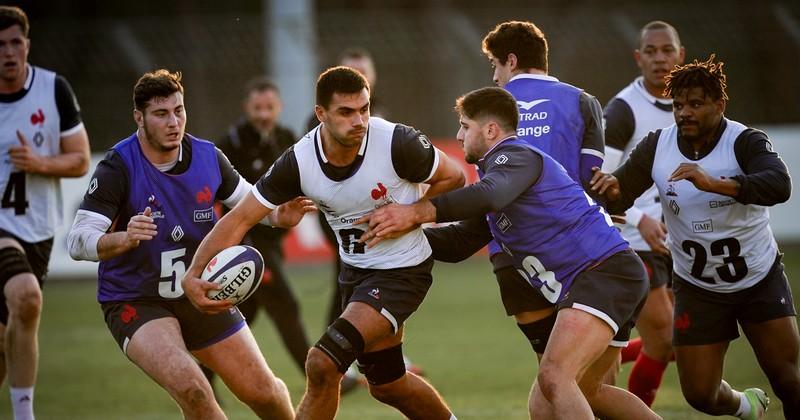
(470, 351)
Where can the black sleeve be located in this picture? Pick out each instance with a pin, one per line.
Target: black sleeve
(230, 178)
(412, 154)
(281, 182)
(458, 241)
(509, 172)
(592, 115)
(620, 124)
(69, 112)
(766, 181)
(635, 174)
(108, 189)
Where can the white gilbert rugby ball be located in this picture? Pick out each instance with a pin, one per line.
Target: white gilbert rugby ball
(238, 270)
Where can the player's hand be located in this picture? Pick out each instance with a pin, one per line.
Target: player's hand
(141, 228)
(388, 222)
(291, 212)
(196, 289)
(695, 174)
(605, 184)
(654, 232)
(23, 157)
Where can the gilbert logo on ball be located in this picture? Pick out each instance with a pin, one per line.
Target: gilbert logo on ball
(238, 270)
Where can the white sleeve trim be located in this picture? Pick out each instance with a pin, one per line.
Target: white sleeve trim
(238, 194)
(73, 130)
(264, 202)
(435, 163)
(593, 152)
(612, 159)
(86, 231)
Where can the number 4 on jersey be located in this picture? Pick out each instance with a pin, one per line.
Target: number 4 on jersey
(14, 195)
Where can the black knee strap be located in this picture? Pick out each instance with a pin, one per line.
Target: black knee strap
(342, 343)
(539, 332)
(383, 366)
(12, 262)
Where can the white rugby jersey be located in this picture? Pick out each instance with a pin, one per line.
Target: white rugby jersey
(31, 203)
(647, 117)
(374, 184)
(717, 243)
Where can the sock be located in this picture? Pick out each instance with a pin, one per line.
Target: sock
(646, 377)
(744, 404)
(22, 403)
(631, 352)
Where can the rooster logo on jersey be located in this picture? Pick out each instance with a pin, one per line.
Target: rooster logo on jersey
(381, 195)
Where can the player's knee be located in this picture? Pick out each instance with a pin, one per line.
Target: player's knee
(383, 367)
(26, 305)
(538, 332)
(192, 396)
(341, 344)
(389, 394)
(551, 381)
(265, 397)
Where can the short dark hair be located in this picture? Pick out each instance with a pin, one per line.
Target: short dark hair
(490, 102)
(156, 84)
(260, 84)
(338, 79)
(706, 75)
(657, 25)
(12, 15)
(523, 39)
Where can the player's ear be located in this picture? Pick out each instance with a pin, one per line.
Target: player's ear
(490, 129)
(138, 117)
(319, 111)
(511, 60)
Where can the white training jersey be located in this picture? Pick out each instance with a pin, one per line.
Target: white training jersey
(717, 243)
(647, 117)
(31, 204)
(374, 183)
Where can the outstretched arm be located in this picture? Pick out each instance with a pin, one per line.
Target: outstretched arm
(458, 241)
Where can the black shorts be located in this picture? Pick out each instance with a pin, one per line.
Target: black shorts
(614, 291)
(705, 317)
(38, 255)
(199, 330)
(659, 268)
(395, 293)
(517, 294)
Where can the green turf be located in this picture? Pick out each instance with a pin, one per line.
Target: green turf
(470, 351)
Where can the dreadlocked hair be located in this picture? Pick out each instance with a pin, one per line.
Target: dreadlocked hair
(706, 75)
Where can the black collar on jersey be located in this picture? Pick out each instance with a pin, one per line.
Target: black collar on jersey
(687, 150)
(339, 173)
(663, 106)
(184, 159)
(26, 87)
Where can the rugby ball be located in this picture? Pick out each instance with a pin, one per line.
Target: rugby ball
(238, 270)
